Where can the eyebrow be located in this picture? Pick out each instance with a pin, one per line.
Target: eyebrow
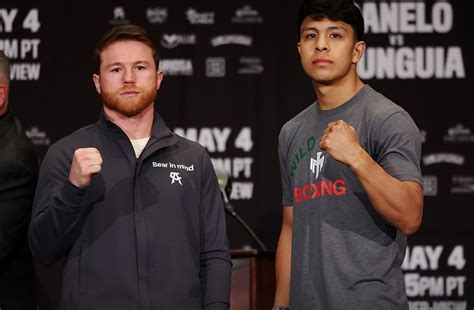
(118, 63)
(328, 28)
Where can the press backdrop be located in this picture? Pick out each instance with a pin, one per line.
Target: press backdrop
(233, 78)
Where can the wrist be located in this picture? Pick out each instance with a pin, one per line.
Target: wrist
(359, 160)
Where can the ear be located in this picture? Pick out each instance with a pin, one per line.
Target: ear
(96, 79)
(3, 96)
(358, 52)
(299, 47)
(159, 79)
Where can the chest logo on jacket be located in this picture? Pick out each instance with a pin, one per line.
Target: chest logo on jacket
(172, 166)
(175, 178)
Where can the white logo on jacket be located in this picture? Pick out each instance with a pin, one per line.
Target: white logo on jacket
(175, 178)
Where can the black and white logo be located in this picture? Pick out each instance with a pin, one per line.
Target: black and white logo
(423, 136)
(175, 178)
(438, 158)
(430, 185)
(157, 15)
(462, 185)
(173, 40)
(215, 67)
(182, 67)
(250, 65)
(247, 15)
(200, 18)
(38, 137)
(226, 39)
(316, 165)
(459, 133)
(119, 17)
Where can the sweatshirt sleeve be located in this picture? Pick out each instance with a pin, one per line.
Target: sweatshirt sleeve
(56, 209)
(215, 263)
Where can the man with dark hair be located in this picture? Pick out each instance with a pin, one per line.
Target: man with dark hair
(18, 175)
(351, 180)
(135, 209)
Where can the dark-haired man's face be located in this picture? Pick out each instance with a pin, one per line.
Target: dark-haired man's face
(128, 80)
(328, 50)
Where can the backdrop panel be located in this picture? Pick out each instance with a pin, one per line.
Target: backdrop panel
(233, 78)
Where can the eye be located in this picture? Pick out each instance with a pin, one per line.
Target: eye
(115, 70)
(140, 68)
(310, 36)
(335, 35)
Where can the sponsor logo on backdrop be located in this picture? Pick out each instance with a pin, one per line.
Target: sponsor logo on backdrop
(430, 185)
(119, 17)
(173, 40)
(250, 65)
(404, 59)
(215, 67)
(462, 184)
(183, 67)
(157, 15)
(226, 39)
(459, 133)
(247, 15)
(438, 158)
(423, 136)
(200, 18)
(38, 137)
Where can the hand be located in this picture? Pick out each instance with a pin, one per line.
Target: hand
(340, 141)
(85, 163)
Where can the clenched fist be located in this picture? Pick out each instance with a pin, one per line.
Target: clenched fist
(341, 142)
(85, 163)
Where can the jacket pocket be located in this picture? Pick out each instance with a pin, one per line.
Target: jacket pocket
(83, 260)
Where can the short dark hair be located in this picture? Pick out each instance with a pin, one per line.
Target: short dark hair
(125, 33)
(335, 10)
(4, 67)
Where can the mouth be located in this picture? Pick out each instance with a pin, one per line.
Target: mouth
(129, 93)
(321, 62)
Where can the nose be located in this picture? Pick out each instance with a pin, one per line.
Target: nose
(321, 44)
(129, 76)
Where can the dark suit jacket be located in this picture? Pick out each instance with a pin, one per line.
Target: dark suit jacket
(18, 175)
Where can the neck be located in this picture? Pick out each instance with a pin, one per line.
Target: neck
(335, 94)
(135, 127)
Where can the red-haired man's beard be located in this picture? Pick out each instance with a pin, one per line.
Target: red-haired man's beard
(129, 106)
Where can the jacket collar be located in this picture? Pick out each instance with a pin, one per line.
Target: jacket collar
(159, 130)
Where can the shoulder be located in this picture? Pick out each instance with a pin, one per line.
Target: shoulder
(191, 151)
(17, 149)
(189, 145)
(380, 110)
(64, 147)
(78, 137)
(291, 127)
